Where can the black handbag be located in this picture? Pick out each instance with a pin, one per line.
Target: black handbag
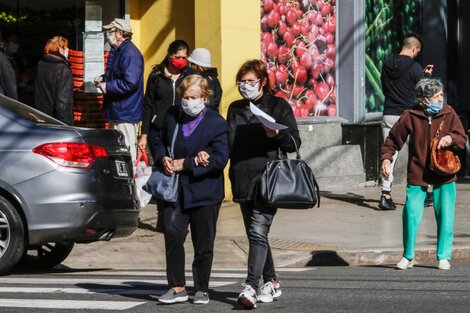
(288, 184)
(162, 186)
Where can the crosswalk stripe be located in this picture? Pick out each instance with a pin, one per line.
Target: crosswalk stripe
(96, 281)
(69, 304)
(131, 273)
(83, 291)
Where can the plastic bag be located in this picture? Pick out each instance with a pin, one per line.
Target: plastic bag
(142, 172)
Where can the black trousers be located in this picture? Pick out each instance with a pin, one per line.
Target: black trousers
(203, 222)
(258, 220)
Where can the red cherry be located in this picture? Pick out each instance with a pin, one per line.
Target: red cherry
(266, 37)
(296, 29)
(322, 89)
(330, 80)
(273, 18)
(291, 17)
(300, 76)
(330, 38)
(300, 50)
(306, 60)
(281, 30)
(288, 38)
(283, 54)
(268, 5)
(271, 78)
(331, 111)
(310, 99)
(331, 51)
(325, 9)
(272, 50)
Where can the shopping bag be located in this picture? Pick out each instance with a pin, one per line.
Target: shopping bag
(142, 172)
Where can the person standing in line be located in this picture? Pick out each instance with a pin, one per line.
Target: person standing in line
(420, 124)
(8, 86)
(123, 83)
(400, 73)
(161, 95)
(201, 186)
(53, 90)
(200, 61)
(252, 145)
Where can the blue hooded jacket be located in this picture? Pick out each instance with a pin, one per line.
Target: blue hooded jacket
(124, 84)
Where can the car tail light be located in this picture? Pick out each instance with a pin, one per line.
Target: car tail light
(79, 155)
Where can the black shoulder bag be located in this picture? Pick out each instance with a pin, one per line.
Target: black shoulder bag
(288, 184)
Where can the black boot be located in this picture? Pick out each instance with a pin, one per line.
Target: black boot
(386, 204)
(429, 199)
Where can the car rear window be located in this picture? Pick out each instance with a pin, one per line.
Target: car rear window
(27, 112)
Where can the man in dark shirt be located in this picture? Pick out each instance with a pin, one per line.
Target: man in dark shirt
(400, 74)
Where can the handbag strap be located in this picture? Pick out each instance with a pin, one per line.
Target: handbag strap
(175, 133)
(439, 129)
(279, 155)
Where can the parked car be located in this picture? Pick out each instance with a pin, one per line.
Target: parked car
(59, 185)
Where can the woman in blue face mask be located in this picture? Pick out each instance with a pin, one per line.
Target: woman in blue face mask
(420, 124)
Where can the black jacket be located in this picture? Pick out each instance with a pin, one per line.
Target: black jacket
(160, 95)
(250, 148)
(53, 90)
(214, 85)
(400, 74)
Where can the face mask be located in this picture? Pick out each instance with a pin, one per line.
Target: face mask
(193, 107)
(179, 64)
(433, 107)
(12, 48)
(110, 37)
(250, 92)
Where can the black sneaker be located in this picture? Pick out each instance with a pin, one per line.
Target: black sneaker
(201, 297)
(386, 204)
(429, 199)
(171, 296)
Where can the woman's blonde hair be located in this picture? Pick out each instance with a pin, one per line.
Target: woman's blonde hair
(198, 80)
(55, 43)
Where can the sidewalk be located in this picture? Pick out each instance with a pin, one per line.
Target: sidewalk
(347, 229)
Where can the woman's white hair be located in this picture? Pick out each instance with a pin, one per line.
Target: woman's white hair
(428, 87)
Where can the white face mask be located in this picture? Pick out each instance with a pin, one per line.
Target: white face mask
(110, 37)
(250, 92)
(193, 107)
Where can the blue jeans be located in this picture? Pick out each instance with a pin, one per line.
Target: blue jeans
(258, 220)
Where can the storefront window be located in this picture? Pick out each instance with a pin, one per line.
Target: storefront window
(298, 44)
(387, 22)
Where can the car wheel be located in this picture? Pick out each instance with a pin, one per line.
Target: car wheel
(11, 236)
(45, 256)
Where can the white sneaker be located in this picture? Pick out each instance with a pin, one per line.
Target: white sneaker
(405, 264)
(269, 291)
(444, 265)
(248, 297)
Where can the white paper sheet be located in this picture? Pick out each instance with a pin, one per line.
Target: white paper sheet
(266, 119)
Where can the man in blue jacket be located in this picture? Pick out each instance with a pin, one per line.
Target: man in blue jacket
(123, 84)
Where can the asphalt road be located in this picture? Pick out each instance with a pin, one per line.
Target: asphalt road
(321, 289)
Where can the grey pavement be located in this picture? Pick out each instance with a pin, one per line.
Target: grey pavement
(347, 229)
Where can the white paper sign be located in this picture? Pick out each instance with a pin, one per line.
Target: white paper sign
(266, 119)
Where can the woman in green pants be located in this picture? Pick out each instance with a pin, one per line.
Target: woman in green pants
(420, 123)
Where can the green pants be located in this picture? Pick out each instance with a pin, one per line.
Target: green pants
(444, 206)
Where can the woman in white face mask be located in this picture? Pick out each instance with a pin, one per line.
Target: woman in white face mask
(252, 145)
(200, 155)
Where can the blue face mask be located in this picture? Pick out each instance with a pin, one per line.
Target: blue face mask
(433, 107)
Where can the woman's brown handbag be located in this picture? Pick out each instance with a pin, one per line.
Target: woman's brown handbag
(443, 162)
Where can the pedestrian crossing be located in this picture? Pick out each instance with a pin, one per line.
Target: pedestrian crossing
(106, 290)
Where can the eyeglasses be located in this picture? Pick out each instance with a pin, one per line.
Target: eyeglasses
(250, 82)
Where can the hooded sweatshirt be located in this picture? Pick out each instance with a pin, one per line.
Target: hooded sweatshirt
(400, 74)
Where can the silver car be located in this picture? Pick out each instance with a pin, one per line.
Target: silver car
(59, 185)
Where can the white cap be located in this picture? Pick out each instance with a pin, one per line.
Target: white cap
(201, 57)
(119, 23)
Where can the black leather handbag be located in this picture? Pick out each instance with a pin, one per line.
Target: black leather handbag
(288, 184)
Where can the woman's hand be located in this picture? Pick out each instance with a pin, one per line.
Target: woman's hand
(177, 165)
(142, 144)
(168, 166)
(270, 132)
(202, 159)
(444, 142)
(385, 169)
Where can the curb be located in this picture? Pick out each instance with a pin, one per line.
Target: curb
(370, 258)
